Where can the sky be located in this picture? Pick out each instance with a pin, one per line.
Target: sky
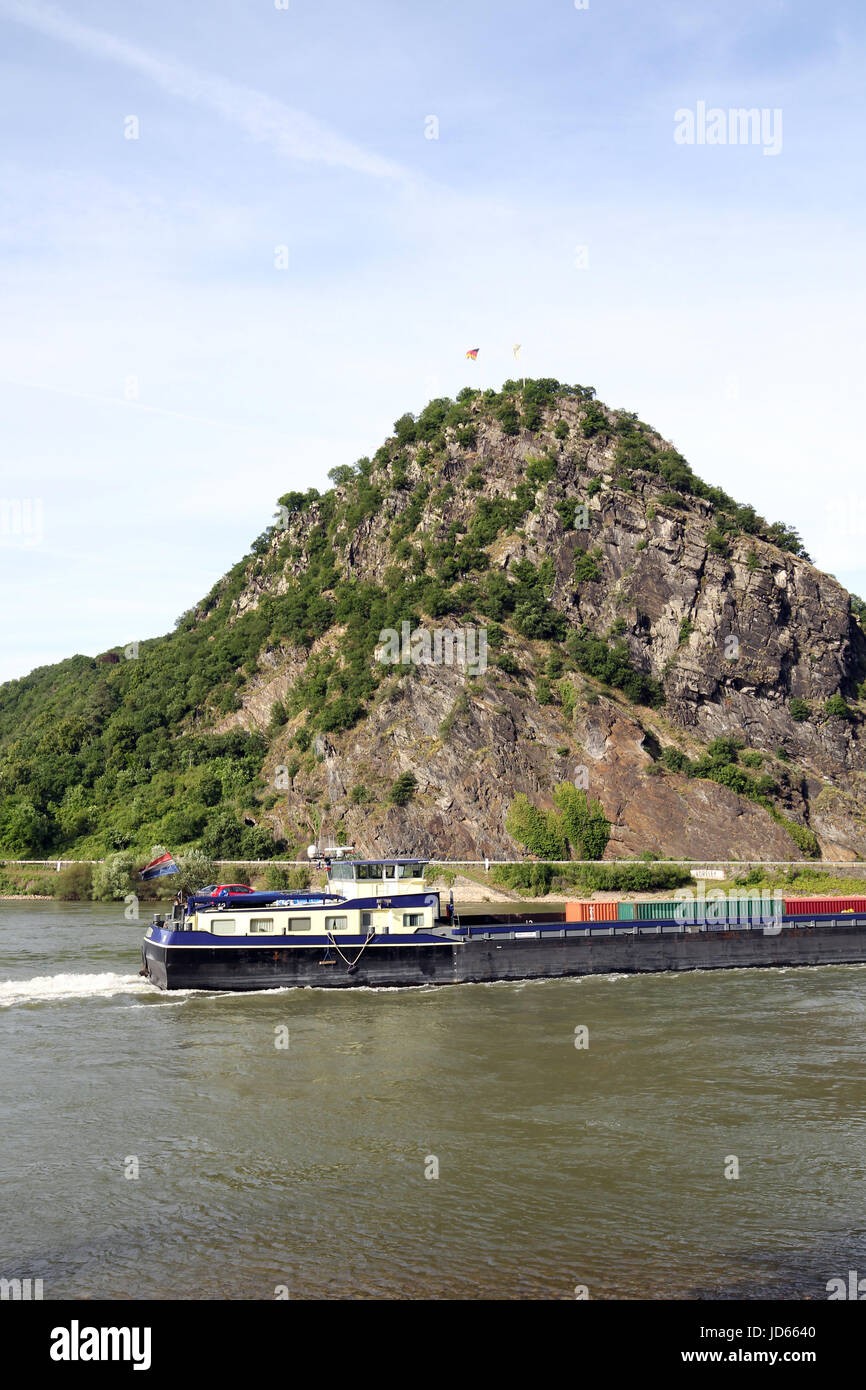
(239, 238)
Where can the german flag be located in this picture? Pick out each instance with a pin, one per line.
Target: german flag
(473, 353)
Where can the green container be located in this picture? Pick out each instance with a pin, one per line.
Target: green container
(625, 912)
(658, 912)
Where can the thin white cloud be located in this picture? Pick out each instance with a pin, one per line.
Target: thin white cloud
(291, 133)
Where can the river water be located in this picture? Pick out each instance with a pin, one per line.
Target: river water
(308, 1168)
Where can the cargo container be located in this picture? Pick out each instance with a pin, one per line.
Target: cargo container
(813, 906)
(591, 912)
(663, 912)
(625, 912)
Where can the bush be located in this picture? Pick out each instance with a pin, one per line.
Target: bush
(113, 878)
(799, 710)
(594, 421)
(532, 879)
(195, 871)
(403, 789)
(675, 760)
(538, 833)
(586, 570)
(279, 877)
(836, 708)
(74, 884)
(631, 878)
(584, 823)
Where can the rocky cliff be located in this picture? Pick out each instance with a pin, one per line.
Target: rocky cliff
(648, 638)
(710, 601)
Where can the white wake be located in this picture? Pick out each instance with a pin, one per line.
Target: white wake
(49, 988)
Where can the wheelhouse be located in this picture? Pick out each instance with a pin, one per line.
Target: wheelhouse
(376, 878)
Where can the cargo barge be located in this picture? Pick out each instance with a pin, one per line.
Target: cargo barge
(378, 926)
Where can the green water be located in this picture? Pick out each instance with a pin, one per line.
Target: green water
(305, 1166)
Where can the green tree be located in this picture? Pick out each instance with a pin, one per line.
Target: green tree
(403, 789)
(115, 877)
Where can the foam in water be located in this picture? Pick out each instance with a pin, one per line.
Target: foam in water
(49, 988)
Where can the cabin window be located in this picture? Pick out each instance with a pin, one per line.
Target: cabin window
(413, 919)
(366, 920)
(223, 926)
(341, 872)
(336, 924)
(261, 924)
(411, 870)
(299, 924)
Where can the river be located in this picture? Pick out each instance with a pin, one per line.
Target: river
(288, 1143)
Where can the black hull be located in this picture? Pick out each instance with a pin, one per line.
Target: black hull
(485, 960)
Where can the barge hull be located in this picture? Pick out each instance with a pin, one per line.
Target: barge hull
(487, 959)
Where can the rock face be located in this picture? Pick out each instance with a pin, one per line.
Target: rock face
(733, 631)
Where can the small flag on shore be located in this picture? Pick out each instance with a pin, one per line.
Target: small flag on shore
(473, 353)
(158, 868)
(516, 349)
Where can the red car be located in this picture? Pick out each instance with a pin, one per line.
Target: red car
(224, 890)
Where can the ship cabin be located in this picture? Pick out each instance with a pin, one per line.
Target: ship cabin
(376, 878)
(365, 897)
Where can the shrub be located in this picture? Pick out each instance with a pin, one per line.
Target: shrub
(540, 471)
(675, 760)
(532, 879)
(836, 708)
(858, 608)
(113, 878)
(403, 789)
(594, 421)
(294, 879)
(799, 710)
(74, 883)
(538, 833)
(584, 823)
(586, 570)
(560, 429)
(195, 871)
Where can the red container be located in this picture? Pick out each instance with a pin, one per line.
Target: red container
(591, 912)
(812, 906)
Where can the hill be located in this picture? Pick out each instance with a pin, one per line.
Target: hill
(649, 640)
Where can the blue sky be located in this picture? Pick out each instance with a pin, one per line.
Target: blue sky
(162, 382)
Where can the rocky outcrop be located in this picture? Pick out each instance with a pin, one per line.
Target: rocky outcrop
(734, 631)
